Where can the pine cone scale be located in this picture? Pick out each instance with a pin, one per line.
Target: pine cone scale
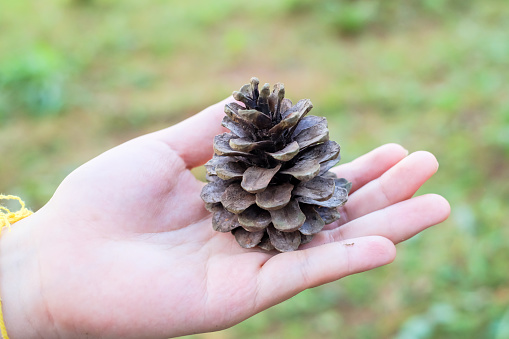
(222, 145)
(247, 145)
(265, 244)
(289, 218)
(212, 192)
(308, 122)
(284, 241)
(247, 239)
(303, 170)
(285, 105)
(275, 197)
(313, 135)
(236, 200)
(256, 179)
(287, 153)
(318, 188)
(257, 118)
(235, 127)
(338, 199)
(224, 221)
(328, 215)
(230, 170)
(293, 118)
(254, 219)
(327, 165)
(314, 222)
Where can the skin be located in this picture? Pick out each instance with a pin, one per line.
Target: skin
(125, 247)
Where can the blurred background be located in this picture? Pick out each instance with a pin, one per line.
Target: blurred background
(79, 77)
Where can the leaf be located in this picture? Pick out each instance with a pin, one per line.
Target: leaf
(274, 197)
(318, 188)
(286, 153)
(307, 122)
(303, 170)
(211, 193)
(224, 221)
(256, 179)
(236, 200)
(257, 118)
(247, 239)
(288, 218)
(314, 223)
(313, 135)
(254, 219)
(230, 170)
(222, 145)
(247, 145)
(329, 215)
(284, 241)
(292, 116)
(339, 198)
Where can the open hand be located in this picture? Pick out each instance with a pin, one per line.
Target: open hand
(125, 248)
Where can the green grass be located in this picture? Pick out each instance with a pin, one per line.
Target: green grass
(78, 77)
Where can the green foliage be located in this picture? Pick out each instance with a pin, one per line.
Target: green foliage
(353, 17)
(422, 326)
(32, 82)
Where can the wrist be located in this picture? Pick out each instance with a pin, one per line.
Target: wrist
(23, 305)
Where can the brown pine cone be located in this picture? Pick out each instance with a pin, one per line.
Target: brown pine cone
(269, 181)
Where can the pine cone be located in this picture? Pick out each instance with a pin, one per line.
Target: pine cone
(269, 181)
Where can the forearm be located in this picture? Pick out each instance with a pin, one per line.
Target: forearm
(23, 305)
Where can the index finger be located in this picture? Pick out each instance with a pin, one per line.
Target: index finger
(371, 165)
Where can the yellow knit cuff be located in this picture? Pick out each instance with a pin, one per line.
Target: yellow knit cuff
(7, 218)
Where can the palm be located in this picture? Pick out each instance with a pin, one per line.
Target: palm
(141, 258)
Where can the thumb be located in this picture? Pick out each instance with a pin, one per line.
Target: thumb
(192, 138)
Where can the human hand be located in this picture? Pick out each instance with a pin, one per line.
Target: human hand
(125, 248)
